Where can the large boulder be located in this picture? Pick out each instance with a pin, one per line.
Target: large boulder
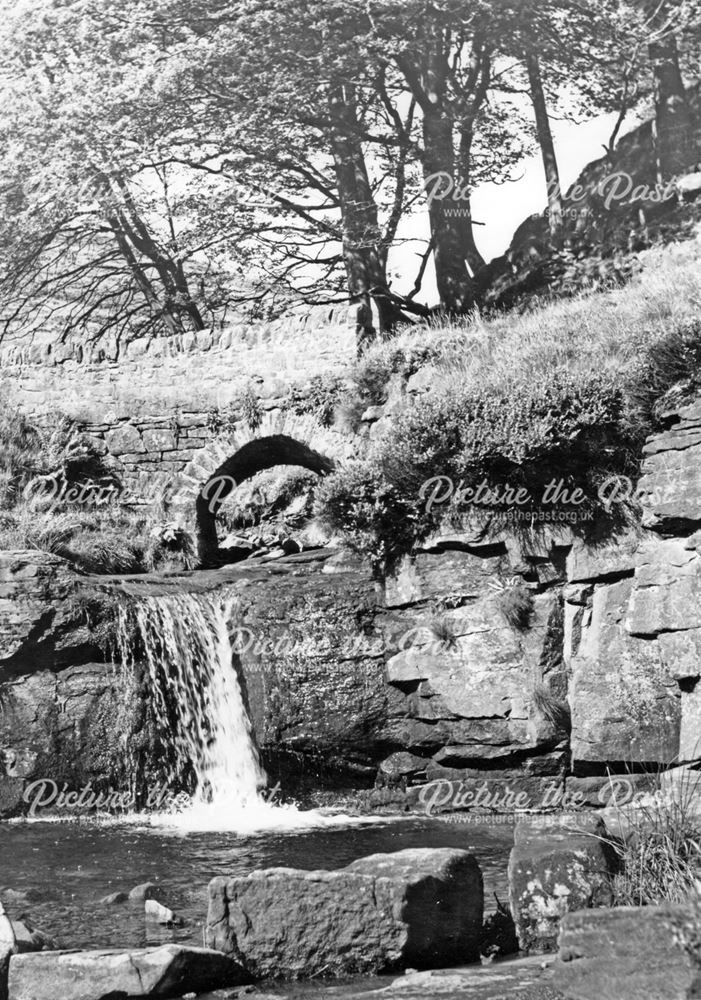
(169, 970)
(557, 864)
(631, 953)
(420, 908)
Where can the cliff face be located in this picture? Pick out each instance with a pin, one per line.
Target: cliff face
(425, 677)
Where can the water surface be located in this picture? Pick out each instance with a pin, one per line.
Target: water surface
(66, 868)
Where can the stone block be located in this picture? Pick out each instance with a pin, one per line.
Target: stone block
(631, 953)
(420, 908)
(556, 865)
(170, 970)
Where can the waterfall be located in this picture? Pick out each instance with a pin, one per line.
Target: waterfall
(196, 695)
(184, 642)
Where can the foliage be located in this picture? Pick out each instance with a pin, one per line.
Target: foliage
(245, 407)
(441, 629)
(672, 361)
(319, 396)
(373, 372)
(589, 267)
(659, 847)
(171, 547)
(30, 450)
(95, 540)
(565, 427)
(250, 409)
(552, 393)
(554, 710)
(124, 218)
(374, 517)
(515, 602)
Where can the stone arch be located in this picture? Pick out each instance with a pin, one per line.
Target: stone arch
(253, 457)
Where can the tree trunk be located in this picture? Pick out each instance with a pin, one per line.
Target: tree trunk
(455, 286)
(362, 243)
(178, 300)
(475, 260)
(673, 123)
(547, 146)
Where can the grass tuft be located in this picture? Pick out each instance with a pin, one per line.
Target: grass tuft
(554, 710)
(659, 847)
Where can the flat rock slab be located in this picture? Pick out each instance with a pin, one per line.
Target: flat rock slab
(517, 979)
(166, 971)
(416, 908)
(631, 953)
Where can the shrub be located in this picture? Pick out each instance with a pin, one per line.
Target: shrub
(246, 407)
(567, 428)
(376, 367)
(374, 517)
(320, 397)
(250, 407)
(673, 360)
(587, 266)
(29, 450)
(171, 547)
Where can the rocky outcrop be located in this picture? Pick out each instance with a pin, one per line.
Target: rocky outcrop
(463, 672)
(650, 953)
(58, 699)
(556, 866)
(73, 728)
(671, 482)
(170, 970)
(420, 908)
(486, 657)
(49, 614)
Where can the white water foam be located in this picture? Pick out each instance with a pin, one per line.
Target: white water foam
(199, 706)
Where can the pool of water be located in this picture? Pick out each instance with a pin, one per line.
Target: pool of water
(64, 869)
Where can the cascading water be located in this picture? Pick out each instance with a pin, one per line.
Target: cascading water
(184, 641)
(197, 696)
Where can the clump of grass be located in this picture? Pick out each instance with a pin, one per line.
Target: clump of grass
(554, 710)
(515, 602)
(172, 547)
(442, 631)
(659, 847)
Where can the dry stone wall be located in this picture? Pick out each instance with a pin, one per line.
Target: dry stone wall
(153, 405)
